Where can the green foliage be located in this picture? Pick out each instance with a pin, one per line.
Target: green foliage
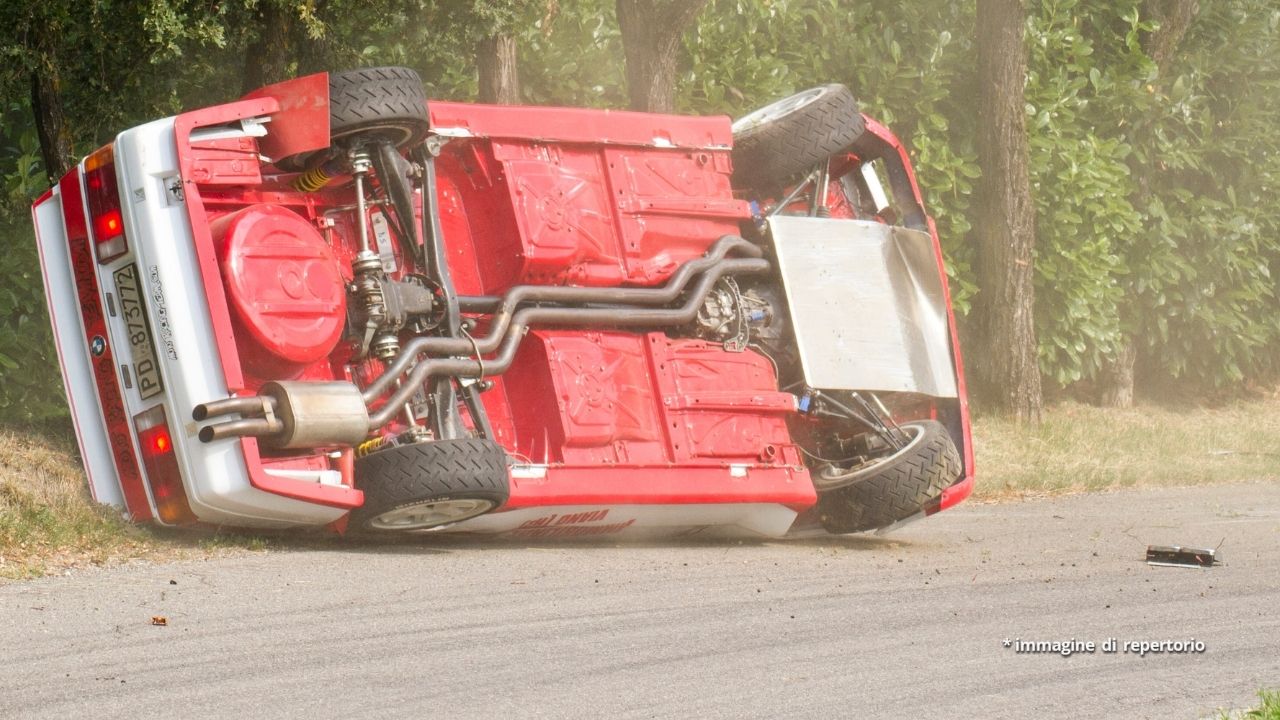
(1202, 281)
(574, 57)
(1187, 272)
(1269, 707)
(1155, 195)
(28, 389)
(1081, 185)
(21, 168)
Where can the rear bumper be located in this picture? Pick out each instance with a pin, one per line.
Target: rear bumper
(93, 350)
(73, 342)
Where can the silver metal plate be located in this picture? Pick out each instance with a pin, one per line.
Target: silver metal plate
(867, 305)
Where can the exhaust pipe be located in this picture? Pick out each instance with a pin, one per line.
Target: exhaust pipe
(303, 415)
(245, 406)
(506, 307)
(617, 317)
(297, 415)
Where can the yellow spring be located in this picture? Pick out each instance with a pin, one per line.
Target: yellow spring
(370, 446)
(312, 180)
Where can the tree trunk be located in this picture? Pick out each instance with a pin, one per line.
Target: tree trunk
(46, 104)
(1007, 369)
(1174, 19)
(1117, 377)
(51, 124)
(267, 55)
(651, 34)
(496, 61)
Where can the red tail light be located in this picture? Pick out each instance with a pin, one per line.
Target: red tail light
(161, 465)
(103, 194)
(109, 224)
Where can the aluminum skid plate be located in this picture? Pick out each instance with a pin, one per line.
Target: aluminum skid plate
(867, 304)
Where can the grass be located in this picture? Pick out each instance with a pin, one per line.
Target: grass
(46, 516)
(1081, 448)
(1269, 709)
(49, 523)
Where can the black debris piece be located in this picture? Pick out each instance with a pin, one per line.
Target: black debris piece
(1178, 556)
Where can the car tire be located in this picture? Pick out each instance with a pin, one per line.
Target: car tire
(893, 489)
(377, 102)
(783, 140)
(429, 484)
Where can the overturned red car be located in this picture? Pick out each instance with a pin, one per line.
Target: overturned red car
(334, 303)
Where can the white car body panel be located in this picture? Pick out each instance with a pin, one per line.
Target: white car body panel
(215, 476)
(73, 352)
(633, 521)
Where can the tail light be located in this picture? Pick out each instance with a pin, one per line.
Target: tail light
(161, 465)
(103, 193)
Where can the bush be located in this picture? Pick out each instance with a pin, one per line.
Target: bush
(30, 387)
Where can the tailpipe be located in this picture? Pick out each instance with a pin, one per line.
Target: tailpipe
(251, 427)
(256, 406)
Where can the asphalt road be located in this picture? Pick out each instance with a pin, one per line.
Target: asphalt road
(908, 626)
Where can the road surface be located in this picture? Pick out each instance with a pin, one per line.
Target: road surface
(912, 625)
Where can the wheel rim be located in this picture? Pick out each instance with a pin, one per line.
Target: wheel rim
(826, 479)
(396, 133)
(770, 112)
(430, 514)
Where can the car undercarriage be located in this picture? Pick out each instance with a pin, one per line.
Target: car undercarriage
(339, 304)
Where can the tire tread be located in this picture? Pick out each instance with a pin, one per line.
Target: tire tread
(770, 155)
(901, 489)
(387, 100)
(441, 469)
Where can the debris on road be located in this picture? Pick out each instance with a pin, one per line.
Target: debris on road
(1178, 556)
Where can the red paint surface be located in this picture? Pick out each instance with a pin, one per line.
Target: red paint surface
(301, 121)
(537, 195)
(581, 125)
(587, 214)
(104, 367)
(284, 286)
(617, 399)
(345, 496)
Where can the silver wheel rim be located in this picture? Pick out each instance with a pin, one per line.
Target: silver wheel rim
(776, 110)
(825, 478)
(430, 514)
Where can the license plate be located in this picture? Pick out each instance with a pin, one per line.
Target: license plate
(141, 346)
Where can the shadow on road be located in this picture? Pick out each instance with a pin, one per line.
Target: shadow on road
(464, 543)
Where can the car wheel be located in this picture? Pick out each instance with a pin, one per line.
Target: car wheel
(893, 489)
(379, 103)
(781, 141)
(429, 484)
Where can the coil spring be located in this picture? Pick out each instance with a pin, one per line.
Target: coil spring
(371, 446)
(312, 180)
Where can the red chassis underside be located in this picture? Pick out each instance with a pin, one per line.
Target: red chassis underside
(593, 417)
